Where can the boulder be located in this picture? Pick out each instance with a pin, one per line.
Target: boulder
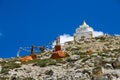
(97, 71)
(17, 62)
(74, 57)
(1, 59)
(118, 59)
(116, 65)
(49, 72)
(89, 51)
(0, 68)
(108, 60)
(108, 66)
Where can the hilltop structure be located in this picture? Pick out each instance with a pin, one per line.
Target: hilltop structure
(57, 52)
(84, 31)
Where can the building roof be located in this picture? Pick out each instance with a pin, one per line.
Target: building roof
(84, 23)
(84, 28)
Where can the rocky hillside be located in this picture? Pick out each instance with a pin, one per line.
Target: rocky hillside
(89, 59)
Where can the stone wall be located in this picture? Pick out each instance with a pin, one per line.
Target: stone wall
(80, 35)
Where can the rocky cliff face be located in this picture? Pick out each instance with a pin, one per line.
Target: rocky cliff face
(89, 59)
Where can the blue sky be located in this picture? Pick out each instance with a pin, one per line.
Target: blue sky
(28, 22)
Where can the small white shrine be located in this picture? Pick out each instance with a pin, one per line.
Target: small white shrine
(84, 31)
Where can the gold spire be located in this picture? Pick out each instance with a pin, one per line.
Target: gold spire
(84, 23)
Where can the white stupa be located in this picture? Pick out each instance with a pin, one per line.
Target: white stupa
(84, 31)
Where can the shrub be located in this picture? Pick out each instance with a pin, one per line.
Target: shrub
(28, 78)
(42, 63)
(6, 66)
(60, 60)
(4, 78)
(118, 50)
(45, 62)
(4, 71)
(70, 60)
